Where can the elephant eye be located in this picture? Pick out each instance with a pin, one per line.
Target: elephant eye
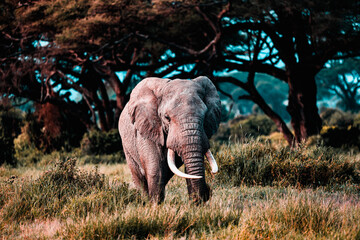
(167, 117)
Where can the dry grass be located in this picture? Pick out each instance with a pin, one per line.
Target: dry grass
(235, 211)
(115, 172)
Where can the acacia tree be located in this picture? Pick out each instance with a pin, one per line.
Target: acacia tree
(45, 60)
(90, 42)
(303, 35)
(291, 40)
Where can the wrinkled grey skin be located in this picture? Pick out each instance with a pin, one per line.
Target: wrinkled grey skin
(178, 114)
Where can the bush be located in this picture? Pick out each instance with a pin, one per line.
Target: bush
(340, 129)
(54, 128)
(97, 142)
(244, 127)
(25, 151)
(223, 133)
(336, 117)
(260, 164)
(340, 137)
(357, 121)
(254, 126)
(64, 191)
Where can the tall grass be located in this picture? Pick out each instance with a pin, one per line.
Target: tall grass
(251, 213)
(258, 163)
(62, 191)
(260, 193)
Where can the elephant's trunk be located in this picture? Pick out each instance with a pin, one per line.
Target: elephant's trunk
(195, 144)
(191, 145)
(194, 165)
(174, 169)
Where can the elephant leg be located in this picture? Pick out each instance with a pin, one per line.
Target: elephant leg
(152, 159)
(137, 173)
(156, 188)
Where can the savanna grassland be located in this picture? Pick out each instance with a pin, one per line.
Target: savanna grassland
(261, 192)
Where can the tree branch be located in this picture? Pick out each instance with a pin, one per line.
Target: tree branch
(246, 97)
(232, 80)
(179, 47)
(245, 66)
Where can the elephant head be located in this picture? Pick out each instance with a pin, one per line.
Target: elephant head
(179, 116)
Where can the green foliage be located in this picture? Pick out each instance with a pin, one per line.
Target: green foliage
(340, 129)
(336, 117)
(223, 133)
(254, 126)
(63, 191)
(110, 35)
(99, 142)
(96, 147)
(26, 152)
(48, 129)
(244, 127)
(357, 121)
(261, 164)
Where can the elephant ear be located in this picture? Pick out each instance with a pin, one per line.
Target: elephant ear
(212, 101)
(143, 109)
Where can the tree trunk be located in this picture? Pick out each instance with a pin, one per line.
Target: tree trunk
(302, 108)
(259, 100)
(280, 124)
(120, 93)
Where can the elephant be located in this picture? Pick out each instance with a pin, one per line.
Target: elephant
(165, 124)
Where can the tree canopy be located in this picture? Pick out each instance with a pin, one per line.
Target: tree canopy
(101, 48)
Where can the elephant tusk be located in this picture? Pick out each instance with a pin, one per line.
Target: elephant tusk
(174, 169)
(212, 161)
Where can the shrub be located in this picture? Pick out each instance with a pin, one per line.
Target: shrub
(336, 117)
(244, 127)
(341, 137)
(255, 125)
(340, 130)
(52, 127)
(223, 133)
(98, 142)
(25, 151)
(357, 121)
(260, 164)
